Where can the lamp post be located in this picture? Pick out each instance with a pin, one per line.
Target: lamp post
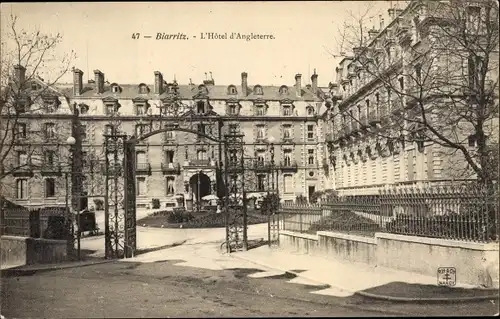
(75, 186)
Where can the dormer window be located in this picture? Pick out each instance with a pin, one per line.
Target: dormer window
(143, 89)
(232, 90)
(115, 88)
(141, 109)
(260, 110)
(310, 111)
(232, 109)
(34, 86)
(202, 89)
(284, 90)
(112, 108)
(200, 107)
(287, 110)
(84, 108)
(258, 90)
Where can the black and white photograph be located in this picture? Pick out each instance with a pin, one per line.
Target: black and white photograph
(210, 159)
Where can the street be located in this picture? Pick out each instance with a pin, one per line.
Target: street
(192, 280)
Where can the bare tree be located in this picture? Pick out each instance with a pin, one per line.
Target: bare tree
(431, 76)
(25, 57)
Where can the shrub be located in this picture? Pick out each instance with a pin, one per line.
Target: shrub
(155, 203)
(179, 216)
(99, 204)
(270, 203)
(301, 199)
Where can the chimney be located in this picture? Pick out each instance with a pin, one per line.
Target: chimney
(314, 80)
(381, 23)
(244, 84)
(99, 81)
(158, 82)
(20, 74)
(391, 13)
(77, 81)
(298, 84)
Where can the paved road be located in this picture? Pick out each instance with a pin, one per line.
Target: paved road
(191, 280)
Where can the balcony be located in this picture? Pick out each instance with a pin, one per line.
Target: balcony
(51, 169)
(25, 170)
(205, 163)
(143, 169)
(170, 168)
(261, 166)
(289, 166)
(116, 170)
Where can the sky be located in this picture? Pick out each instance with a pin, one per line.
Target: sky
(101, 35)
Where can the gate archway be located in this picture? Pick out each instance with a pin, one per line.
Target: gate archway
(120, 224)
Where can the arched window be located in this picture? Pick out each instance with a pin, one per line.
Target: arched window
(232, 90)
(115, 88)
(143, 89)
(258, 90)
(283, 89)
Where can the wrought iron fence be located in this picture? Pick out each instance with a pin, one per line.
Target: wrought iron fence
(299, 217)
(458, 212)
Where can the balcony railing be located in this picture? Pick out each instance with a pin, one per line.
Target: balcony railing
(19, 170)
(170, 168)
(200, 163)
(261, 166)
(143, 169)
(289, 166)
(51, 169)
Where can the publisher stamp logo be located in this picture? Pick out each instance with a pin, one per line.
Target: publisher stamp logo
(447, 276)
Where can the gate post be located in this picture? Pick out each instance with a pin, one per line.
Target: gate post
(129, 200)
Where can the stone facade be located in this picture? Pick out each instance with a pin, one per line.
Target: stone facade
(285, 118)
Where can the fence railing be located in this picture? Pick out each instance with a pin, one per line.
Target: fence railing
(451, 212)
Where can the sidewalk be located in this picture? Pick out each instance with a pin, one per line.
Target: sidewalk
(23, 270)
(347, 279)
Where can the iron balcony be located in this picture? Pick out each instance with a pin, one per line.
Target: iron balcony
(143, 169)
(290, 166)
(170, 168)
(51, 169)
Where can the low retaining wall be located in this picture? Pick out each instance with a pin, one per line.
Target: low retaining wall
(475, 263)
(16, 251)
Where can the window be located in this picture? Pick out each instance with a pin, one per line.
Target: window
(310, 111)
(261, 156)
(21, 130)
(287, 110)
(232, 90)
(310, 157)
(261, 183)
(418, 73)
(261, 132)
(201, 155)
(34, 86)
(170, 185)
(311, 174)
(283, 90)
(49, 157)
(22, 158)
(50, 187)
(143, 89)
(232, 109)
(50, 130)
(141, 186)
(260, 110)
(50, 106)
(140, 157)
(233, 129)
(200, 107)
(201, 128)
(258, 90)
(169, 135)
(141, 129)
(288, 183)
(109, 129)
(83, 131)
(110, 109)
(115, 89)
(287, 132)
(377, 98)
(472, 141)
(22, 188)
(310, 132)
(401, 83)
(473, 18)
(84, 109)
(233, 156)
(287, 157)
(475, 64)
(170, 155)
(141, 109)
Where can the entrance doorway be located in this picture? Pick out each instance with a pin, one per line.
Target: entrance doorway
(200, 187)
(312, 189)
